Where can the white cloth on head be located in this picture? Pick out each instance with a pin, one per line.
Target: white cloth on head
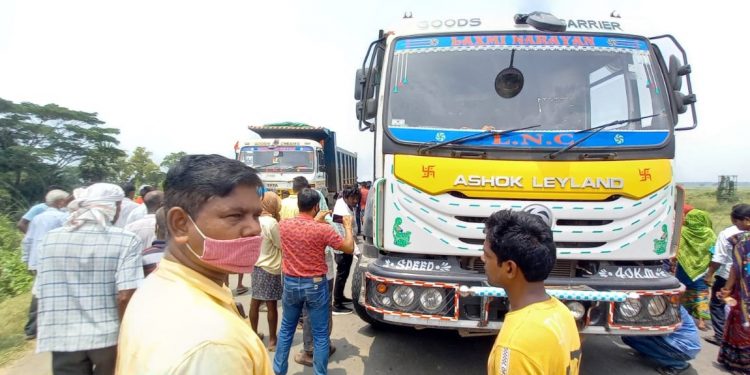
(95, 203)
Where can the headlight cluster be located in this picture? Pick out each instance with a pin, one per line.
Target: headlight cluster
(648, 307)
(411, 298)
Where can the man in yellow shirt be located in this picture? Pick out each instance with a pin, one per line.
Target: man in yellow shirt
(183, 320)
(539, 334)
(289, 209)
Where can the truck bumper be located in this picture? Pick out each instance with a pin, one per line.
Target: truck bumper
(410, 298)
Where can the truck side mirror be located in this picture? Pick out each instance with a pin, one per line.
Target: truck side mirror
(370, 111)
(675, 73)
(360, 81)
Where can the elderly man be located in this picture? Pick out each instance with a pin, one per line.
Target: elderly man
(87, 272)
(183, 319)
(25, 220)
(52, 217)
(145, 227)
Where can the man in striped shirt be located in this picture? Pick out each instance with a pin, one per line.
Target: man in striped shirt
(87, 272)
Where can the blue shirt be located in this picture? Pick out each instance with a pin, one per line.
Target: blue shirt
(686, 338)
(42, 223)
(34, 210)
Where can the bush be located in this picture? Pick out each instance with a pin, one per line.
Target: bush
(14, 278)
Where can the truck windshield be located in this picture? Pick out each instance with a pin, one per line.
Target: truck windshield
(443, 87)
(279, 159)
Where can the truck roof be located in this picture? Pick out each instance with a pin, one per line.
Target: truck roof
(599, 24)
(292, 130)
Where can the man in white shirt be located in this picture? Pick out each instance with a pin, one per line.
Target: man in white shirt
(127, 206)
(721, 262)
(140, 211)
(145, 227)
(52, 217)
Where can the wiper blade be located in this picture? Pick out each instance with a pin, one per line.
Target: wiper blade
(265, 166)
(595, 130)
(474, 136)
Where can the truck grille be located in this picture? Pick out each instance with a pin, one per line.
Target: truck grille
(563, 267)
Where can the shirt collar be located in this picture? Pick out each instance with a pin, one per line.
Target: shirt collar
(176, 271)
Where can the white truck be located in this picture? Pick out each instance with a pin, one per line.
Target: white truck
(289, 149)
(573, 120)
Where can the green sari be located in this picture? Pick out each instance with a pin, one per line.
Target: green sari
(696, 239)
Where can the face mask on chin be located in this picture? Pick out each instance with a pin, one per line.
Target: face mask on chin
(234, 256)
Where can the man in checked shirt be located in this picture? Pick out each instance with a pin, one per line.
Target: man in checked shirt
(87, 272)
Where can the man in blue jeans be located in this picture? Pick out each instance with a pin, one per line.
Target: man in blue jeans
(303, 242)
(671, 352)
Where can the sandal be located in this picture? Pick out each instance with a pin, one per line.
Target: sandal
(672, 371)
(242, 290)
(303, 359)
(713, 340)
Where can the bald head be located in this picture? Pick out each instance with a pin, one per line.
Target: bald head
(153, 200)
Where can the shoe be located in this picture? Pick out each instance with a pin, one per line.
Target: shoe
(713, 340)
(331, 350)
(671, 370)
(345, 300)
(339, 309)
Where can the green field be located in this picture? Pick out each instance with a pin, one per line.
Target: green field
(704, 198)
(12, 338)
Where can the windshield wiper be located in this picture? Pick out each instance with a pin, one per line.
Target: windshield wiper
(595, 130)
(474, 136)
(265, 166)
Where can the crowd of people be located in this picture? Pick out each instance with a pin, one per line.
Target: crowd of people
(94, 308)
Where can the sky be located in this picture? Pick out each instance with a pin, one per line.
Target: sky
(191, 75)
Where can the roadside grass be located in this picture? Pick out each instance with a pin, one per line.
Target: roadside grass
(704, 198)
(12, 338)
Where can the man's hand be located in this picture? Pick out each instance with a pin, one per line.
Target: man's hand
(347, 222)
(709, 279)
(321, 216)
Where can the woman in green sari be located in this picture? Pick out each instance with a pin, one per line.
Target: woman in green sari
(696, 239)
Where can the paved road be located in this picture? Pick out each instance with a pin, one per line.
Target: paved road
(363, 350)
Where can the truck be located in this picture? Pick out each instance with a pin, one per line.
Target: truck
(290, 149)
(573, 120)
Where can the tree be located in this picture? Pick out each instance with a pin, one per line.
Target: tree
(39, 143)
(170, 160)
(140, 169)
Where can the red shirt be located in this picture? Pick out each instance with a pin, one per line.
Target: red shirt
(363, 200)
(303, 246)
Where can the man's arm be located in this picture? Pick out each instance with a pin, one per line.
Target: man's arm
(129, 273)
(123, 298)
(719, 258)
(23, 225)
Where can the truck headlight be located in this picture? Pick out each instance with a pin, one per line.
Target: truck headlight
(431, 300)
(577, 309)
(656, 306)
(403, 296)
(630, 308)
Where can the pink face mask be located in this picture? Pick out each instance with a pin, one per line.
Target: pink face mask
(234, 256)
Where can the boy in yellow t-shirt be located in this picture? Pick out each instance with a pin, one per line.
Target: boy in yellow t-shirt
(539, 334)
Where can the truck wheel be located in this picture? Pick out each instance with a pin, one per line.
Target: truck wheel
(361, 310)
